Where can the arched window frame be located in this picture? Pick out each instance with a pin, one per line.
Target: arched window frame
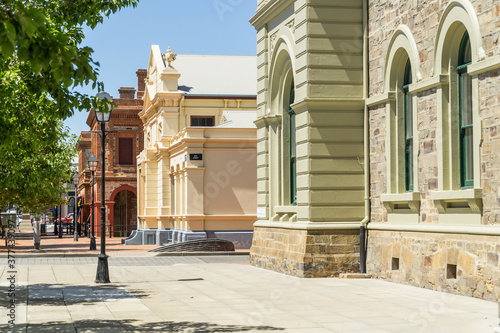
(458, 201)
(408, 127)
(465, 114)
(292, 152)
(402, 68)
(458, 18)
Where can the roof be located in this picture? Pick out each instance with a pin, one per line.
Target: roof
(238, 119)
(223, 75)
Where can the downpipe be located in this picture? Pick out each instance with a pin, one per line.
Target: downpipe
(366, 148)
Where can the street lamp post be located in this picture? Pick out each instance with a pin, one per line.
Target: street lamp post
(75, 213)
(102, 117)
(60, 221)
(93, 161)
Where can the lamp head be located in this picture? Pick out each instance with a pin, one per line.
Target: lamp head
(75, 179)
(92, 162)
(100, 115)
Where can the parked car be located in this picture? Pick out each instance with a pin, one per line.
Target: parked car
(66, 219)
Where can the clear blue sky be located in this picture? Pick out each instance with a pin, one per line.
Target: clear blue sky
(122, 43)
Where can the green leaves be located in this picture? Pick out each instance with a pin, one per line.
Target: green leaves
(41, 61)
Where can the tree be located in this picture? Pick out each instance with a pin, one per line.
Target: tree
(37, 156)
(41, 63)
(45, 36)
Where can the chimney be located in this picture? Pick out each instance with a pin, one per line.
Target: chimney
(141, 82)
(127, 93)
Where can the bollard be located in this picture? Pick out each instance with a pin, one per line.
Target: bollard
(36, 234)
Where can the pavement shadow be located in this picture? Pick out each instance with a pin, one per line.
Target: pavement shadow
(59, 294)
(131, 325)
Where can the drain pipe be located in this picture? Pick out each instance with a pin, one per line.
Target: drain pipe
(366, 149)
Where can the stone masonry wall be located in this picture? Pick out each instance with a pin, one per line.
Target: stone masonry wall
(306, 253)
(489, 103)
(423, 20)
(424, 259)
(422, 17)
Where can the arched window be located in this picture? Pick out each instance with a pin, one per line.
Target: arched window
(293, 148)
(408, 126)
(465, 114)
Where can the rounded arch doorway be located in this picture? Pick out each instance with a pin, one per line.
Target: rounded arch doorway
(124, 213)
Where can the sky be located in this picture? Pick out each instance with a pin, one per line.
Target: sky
(122, 43)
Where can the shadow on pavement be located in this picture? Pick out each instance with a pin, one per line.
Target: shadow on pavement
(127, 325)
(58, 294)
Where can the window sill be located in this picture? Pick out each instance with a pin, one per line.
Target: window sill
(285, 209)
(408, 202)
(453, 201)
(285, 214)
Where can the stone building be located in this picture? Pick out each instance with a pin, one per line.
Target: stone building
(122, 146)
(197, 172)
(434, 150)
(385, 115)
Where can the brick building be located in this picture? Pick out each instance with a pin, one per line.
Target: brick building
(122, 147)
(385, 115)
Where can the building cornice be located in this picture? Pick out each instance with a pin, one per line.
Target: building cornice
(269, 11)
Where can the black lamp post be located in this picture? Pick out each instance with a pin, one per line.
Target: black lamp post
(75, 213)
(93, 167)
(102, 117)
(60, 229)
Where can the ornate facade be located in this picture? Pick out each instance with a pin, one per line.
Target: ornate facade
(385, 115)
(197, 172)
(122, 145)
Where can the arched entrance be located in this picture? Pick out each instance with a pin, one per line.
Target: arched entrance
(124, 213)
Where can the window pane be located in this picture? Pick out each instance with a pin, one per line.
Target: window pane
(125, 151)
(409, 116)
(202, 121)
(466, 99)
(409, 164)
(292, 136)
(469, 157)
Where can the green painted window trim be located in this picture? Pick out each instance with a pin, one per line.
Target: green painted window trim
(408, 138)
(462, 71)
(293, 149)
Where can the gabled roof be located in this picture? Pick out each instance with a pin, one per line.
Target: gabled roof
(222, 75)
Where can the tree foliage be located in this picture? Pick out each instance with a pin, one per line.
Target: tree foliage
(37, 156)
(42, 61)
(46, 36)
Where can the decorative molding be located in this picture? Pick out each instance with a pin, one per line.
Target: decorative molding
(484, 230)
(381, 99)
(267, 120)
(169, 57)
(412, 199)
(272, 40)
(291, 25)
(471, 197)
(433, 82)
(308, 225)
(484, 66)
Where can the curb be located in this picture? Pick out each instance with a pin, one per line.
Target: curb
(194, 254)
(48, 255)
(122, 254)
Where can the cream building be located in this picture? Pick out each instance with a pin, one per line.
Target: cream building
(197, 172)
(311, 155)
(380, 115)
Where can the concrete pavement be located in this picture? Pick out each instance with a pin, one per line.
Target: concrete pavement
(220, 294)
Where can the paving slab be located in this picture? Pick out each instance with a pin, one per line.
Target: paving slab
(172, 294)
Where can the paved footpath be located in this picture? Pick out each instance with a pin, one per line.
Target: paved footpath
(53, 291)
(220, 294)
